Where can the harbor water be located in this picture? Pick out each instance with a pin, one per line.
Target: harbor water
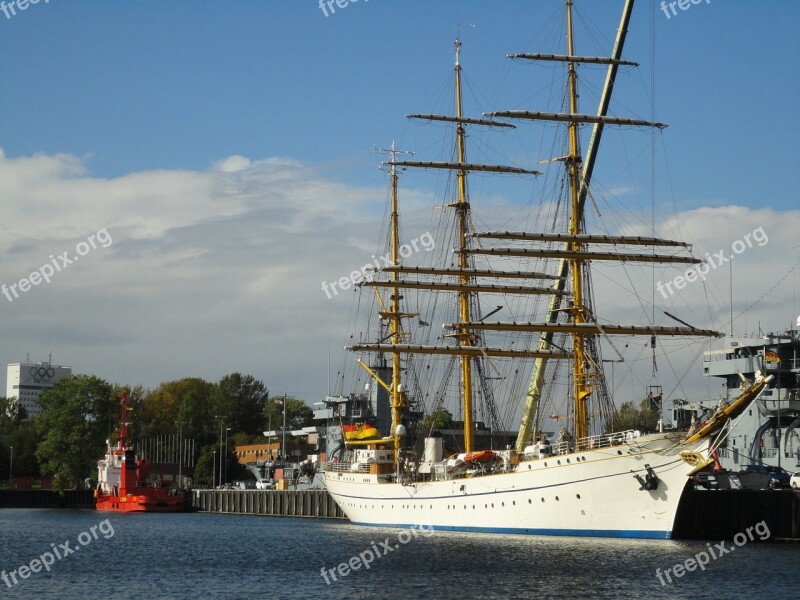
(94, 554)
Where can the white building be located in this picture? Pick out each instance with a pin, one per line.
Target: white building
(25, 381)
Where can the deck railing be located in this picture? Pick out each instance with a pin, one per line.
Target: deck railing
(344, 467)
(594, 441)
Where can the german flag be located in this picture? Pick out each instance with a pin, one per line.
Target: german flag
(360, 431)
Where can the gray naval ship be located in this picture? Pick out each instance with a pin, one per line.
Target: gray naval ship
(768, 433)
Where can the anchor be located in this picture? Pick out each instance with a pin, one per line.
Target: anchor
(650, 481)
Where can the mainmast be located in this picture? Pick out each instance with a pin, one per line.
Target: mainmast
(466, 280)
(581, 387)
(462, 215)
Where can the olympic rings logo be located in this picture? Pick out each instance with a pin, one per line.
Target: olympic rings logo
(41, 373)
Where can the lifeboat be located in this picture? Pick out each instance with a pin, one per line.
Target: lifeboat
(480, 456)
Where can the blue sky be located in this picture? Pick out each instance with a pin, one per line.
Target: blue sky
(180, 85)
(125, 115)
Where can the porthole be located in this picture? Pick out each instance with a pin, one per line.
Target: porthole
(578, 496)
(542, 499)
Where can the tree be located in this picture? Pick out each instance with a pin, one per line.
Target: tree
(204, 467)
(20, 434)
(298, 413)
(186, 401)
(630, 417)
(242, 399)
(24, 440)
(438, 419)
(208, 466)
(73, 426)
(12, 415)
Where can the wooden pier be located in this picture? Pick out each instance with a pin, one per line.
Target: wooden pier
(276, 503)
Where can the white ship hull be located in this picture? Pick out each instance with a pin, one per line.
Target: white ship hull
(591, 493)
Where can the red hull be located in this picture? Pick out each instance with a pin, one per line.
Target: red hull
(140, 503)
(123, 482)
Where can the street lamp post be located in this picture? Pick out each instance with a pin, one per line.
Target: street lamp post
(180, 455)
(11, 468)
(227, 429)
(284, 429)
(214, 471)
(221, 419)
(269, 437)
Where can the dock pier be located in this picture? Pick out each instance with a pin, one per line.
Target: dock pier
(315, 504)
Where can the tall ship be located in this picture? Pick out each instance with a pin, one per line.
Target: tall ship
(768, 433)
(580, 477)
(123, 480)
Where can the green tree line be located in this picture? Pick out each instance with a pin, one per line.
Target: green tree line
(81, 412)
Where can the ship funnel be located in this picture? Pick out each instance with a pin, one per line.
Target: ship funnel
(433, 450)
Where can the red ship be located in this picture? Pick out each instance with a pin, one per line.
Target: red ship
(123, 482)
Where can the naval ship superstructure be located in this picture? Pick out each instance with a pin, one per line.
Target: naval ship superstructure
(769, 431)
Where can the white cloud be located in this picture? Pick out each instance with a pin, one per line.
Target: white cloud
(219, 271)
(209, 272)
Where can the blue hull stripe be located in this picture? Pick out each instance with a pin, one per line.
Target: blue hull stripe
(606, 533)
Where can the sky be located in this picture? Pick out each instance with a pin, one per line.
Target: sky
(210, 163)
